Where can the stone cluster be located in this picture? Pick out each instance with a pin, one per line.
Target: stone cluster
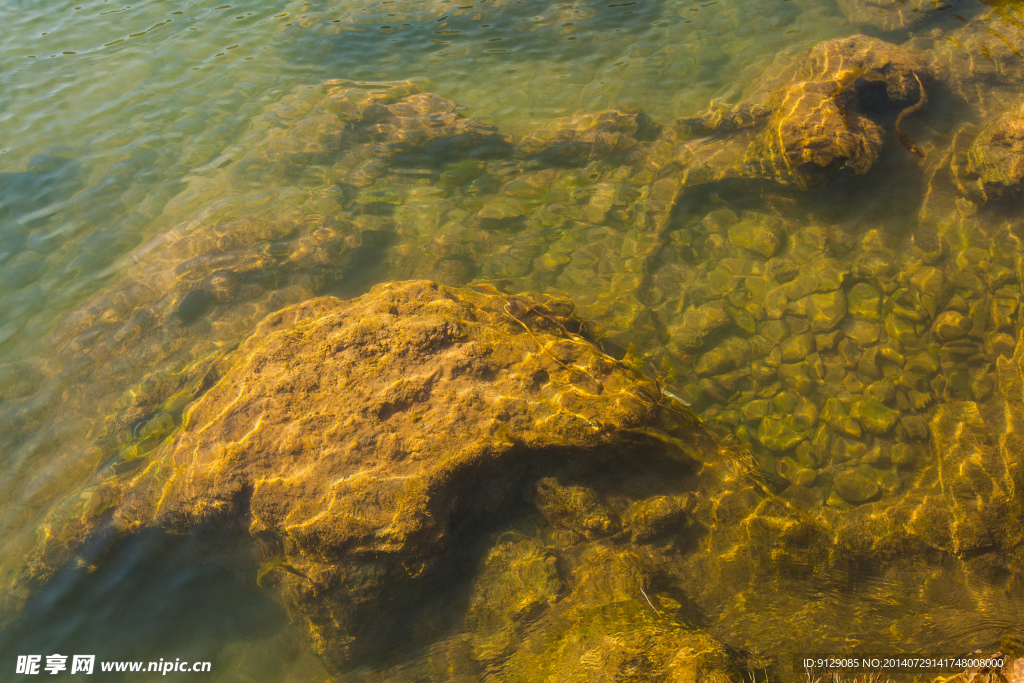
(829, 357)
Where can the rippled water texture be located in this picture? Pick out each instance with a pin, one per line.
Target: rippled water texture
(171, 172)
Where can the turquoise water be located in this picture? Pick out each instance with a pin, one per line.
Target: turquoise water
(116, 120)
(113, 106)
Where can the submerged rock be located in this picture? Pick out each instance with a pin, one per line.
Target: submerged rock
(697, 323)
(993, 166)
(960, 501)
(405, 120)
(573, 507)
(807, 121)
(854, 487)
(951, 325)
(874, 416)
(754, 236)
(980, 62)
(519, 579)
(588, 136)
(609, 635)
(888, 15)
(777, 436)
(863, 301)
(650, 517)
(349, 434)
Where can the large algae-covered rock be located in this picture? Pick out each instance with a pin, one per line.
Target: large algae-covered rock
(349, 433)
(808, 119)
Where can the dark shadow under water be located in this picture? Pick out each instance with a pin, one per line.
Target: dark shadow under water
(156, 596)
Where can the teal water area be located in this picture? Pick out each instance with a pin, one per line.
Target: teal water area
(121, 122)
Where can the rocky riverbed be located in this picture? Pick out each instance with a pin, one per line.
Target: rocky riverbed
(657, 382)
(351, 457)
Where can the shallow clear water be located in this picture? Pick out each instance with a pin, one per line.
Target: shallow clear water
(120, 123)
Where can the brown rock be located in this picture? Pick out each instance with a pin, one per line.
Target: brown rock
(403, 118)
(586, 136)
(981, 62)
(993, 167)
(804, 123)
(951, 325)
(347, 432)
(888, 15)
(575, 508)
